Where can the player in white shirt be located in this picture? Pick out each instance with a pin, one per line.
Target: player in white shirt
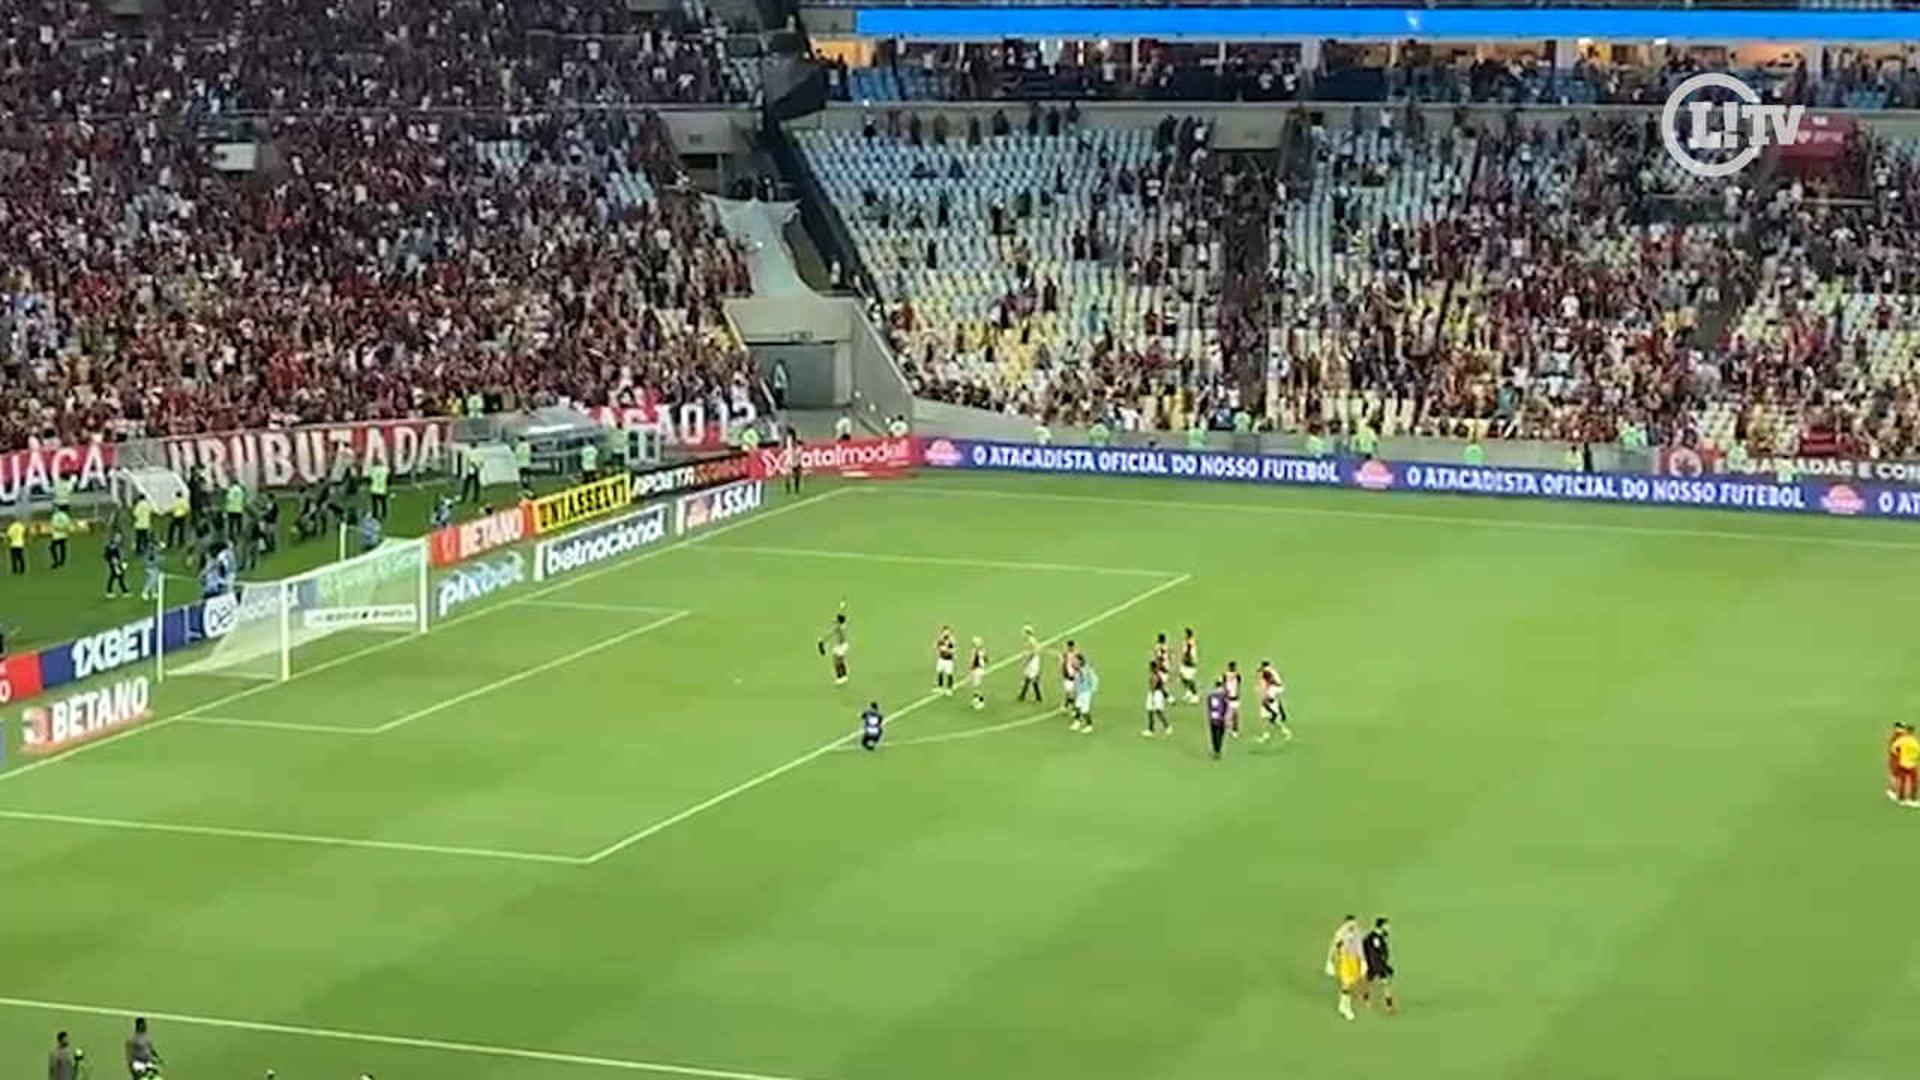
(1030, 667)
(1271, 707)
(1232, 684)
(977, 672)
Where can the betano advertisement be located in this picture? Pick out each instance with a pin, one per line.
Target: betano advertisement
(83, 715)
(458, 543)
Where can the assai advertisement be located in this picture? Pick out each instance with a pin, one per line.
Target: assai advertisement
(712, 507)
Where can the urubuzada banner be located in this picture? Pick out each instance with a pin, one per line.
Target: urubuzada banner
(26, 474)
(296, 457)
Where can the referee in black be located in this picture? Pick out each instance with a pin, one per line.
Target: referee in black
(116, 554)
(1375, 949)
(795, 470)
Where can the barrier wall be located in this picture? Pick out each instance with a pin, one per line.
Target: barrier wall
(1825, 497)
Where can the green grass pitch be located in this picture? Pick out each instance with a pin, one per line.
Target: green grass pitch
(1614, 773)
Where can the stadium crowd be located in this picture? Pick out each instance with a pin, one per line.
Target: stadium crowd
(66, 59)
(1163, 71)
(375, 267)
(222, 215)
(1424, 277)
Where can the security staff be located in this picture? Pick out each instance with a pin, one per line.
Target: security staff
(17, 546)
(142, 523)
(177, 524)
(62, 528)
(377, 475)
(590, 462)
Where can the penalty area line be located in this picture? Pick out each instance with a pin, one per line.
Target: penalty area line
(829, 747)
(218, 703)
(408, 1042)
(936, 560)
(310, 839)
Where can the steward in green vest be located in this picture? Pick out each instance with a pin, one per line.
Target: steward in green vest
(1042, 435)
(749, 438)
(897, 427)
(1365, 441)
(1100, 435)
(1316, 444)
(590, 461)
(142, 523)
(1196, 436)
(1572, 459)
(62, 528)
(1475, 454)
(377, 477)
(1738, 460)
(236, 508)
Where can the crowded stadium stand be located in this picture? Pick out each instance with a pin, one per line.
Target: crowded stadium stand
(223, 215)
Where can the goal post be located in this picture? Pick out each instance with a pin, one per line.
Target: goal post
(268, 629)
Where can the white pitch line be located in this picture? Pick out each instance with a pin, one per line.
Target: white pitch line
(569, 605)
(971, 733)
(937, 560)
(1418, 518)
(826, 748)
(411, 1042)
(567, 583)
(528, 673)
(311, 839)
(278, 725)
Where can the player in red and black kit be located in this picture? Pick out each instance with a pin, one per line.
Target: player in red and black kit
(944, 647)
(1231, 683)
(1157, 722)
(1069, 672)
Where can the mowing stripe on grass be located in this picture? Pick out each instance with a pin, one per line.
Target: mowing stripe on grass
(936, 560)
(312, 839)
(528, 673)
(412, 1042)
(826, 748)
(568, 583)
(921, 488)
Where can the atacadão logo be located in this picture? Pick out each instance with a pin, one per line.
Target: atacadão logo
(1743, 127)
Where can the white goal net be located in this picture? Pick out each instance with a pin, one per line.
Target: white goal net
(266, 629)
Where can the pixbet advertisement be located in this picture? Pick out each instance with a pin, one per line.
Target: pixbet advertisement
(712, 507)
(481, 579)
(589, 547)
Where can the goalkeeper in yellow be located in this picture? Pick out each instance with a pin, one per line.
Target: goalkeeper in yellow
(1347, 962)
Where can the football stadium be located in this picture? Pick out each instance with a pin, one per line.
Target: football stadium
(920, 541)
